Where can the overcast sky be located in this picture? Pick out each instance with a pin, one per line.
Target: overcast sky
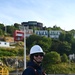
(48, 12)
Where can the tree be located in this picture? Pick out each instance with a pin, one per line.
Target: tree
(55, 45)
(16, 25)
(64, 58)
(73, 47)
(56, 28)
(1, 26)
(54, 57)
(69, 37)
(43, 41)
(51, 58)
(62, 37)
(11, 29)
(1, 32)
(64, 47)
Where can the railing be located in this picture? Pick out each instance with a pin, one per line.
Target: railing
(60, 74)
(20, 73)
(15, 73)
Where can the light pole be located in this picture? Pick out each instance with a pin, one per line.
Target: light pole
(16, 65)
(24, 29)
(24, 48)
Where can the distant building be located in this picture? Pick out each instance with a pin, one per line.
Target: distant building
(41, 32)
(18, 35)
(29, 32)
(54, 34)
(32, 24)
(4, 44)
(72, 56)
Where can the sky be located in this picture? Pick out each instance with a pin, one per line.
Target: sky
(49, 12)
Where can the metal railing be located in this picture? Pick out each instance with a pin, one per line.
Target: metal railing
(20, 73)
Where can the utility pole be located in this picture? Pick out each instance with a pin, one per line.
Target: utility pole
(24, 48)
(24, 30)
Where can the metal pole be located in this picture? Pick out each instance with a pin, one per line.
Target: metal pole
(16, 65)
(24, 48)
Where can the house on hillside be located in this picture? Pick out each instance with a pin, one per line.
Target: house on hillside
(72, 56)
(19, 34)
(4, 44)
(54, 34)
(32, 25)
(41, 32)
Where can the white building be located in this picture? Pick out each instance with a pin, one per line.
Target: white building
(4, 44)
(54, 34)
(28, 31)
(41, 32)
(72, 56)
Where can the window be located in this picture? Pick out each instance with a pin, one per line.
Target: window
(5, 43)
